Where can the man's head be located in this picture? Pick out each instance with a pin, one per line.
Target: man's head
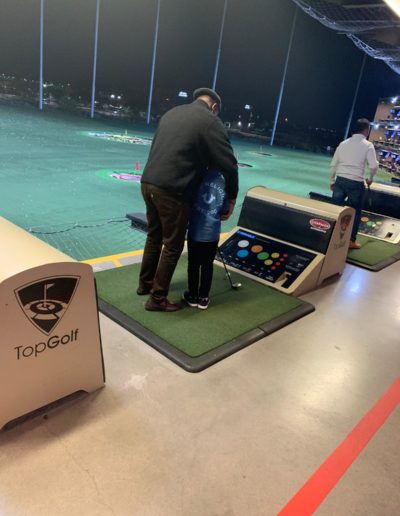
(210, 97)
(362, 127)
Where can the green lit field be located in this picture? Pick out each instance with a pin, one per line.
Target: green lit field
(57, 179)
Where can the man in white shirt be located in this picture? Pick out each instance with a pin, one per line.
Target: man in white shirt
(348, 169)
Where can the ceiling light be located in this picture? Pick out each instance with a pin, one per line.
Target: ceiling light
(394, 5)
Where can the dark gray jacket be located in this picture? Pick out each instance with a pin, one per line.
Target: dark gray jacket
(188, 141)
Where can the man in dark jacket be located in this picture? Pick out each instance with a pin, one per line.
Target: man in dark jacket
(189, 140)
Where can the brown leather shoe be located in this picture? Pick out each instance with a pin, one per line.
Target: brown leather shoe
(161, 306)
(354, 245)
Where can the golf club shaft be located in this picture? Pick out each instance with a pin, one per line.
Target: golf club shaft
(226, 270)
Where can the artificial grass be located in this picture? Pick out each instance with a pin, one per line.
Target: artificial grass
(56, 185)
(373, 253)
(192, 331)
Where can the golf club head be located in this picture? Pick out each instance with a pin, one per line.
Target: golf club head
(236, 286)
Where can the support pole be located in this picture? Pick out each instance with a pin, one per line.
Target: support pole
(278, 105)
(221, 34)
(41, 57)
(96, 39)
(346, 134)
(153, 66)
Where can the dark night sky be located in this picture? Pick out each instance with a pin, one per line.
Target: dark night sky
(322, 72)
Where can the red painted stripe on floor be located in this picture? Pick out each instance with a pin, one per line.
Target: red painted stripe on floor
(319, 485)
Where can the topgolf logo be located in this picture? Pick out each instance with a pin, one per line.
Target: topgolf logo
(45, 302)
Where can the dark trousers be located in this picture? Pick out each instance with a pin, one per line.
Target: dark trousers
(200, 267)
(354, 192)
(167, 219)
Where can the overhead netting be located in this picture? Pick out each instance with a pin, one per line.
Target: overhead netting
(370, 24)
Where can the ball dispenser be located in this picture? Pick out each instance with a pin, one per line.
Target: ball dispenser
(288, 242)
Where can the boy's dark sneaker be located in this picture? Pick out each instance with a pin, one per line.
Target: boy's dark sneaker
(189, 300)
(203, 303)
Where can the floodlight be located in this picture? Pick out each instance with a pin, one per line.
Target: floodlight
(394, 5)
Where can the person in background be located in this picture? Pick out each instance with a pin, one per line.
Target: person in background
(188, 141)
(348, 169)
(203, 235)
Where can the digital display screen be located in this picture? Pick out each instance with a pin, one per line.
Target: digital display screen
(265, 258)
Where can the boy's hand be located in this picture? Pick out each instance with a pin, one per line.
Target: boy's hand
(225, 216)
(368, 182)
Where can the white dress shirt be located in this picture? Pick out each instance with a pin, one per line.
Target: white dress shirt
(351, 157)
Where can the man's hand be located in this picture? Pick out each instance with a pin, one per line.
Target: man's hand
(332, 186)
(225, 216)
(368, 182)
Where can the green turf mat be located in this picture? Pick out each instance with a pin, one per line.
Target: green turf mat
(374, 254)
(232, 314)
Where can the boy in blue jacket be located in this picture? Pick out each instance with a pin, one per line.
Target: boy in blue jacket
(210, 207)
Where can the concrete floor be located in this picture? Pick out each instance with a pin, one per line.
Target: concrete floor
(240, 438)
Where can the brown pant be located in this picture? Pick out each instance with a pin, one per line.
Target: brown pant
(167, 219)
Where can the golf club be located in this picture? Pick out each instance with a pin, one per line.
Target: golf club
(235, 286)
(369, 197)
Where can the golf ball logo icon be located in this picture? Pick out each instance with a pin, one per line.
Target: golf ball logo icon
(45, 302)
(46, 308)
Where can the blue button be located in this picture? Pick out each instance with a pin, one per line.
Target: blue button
(243, 253)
